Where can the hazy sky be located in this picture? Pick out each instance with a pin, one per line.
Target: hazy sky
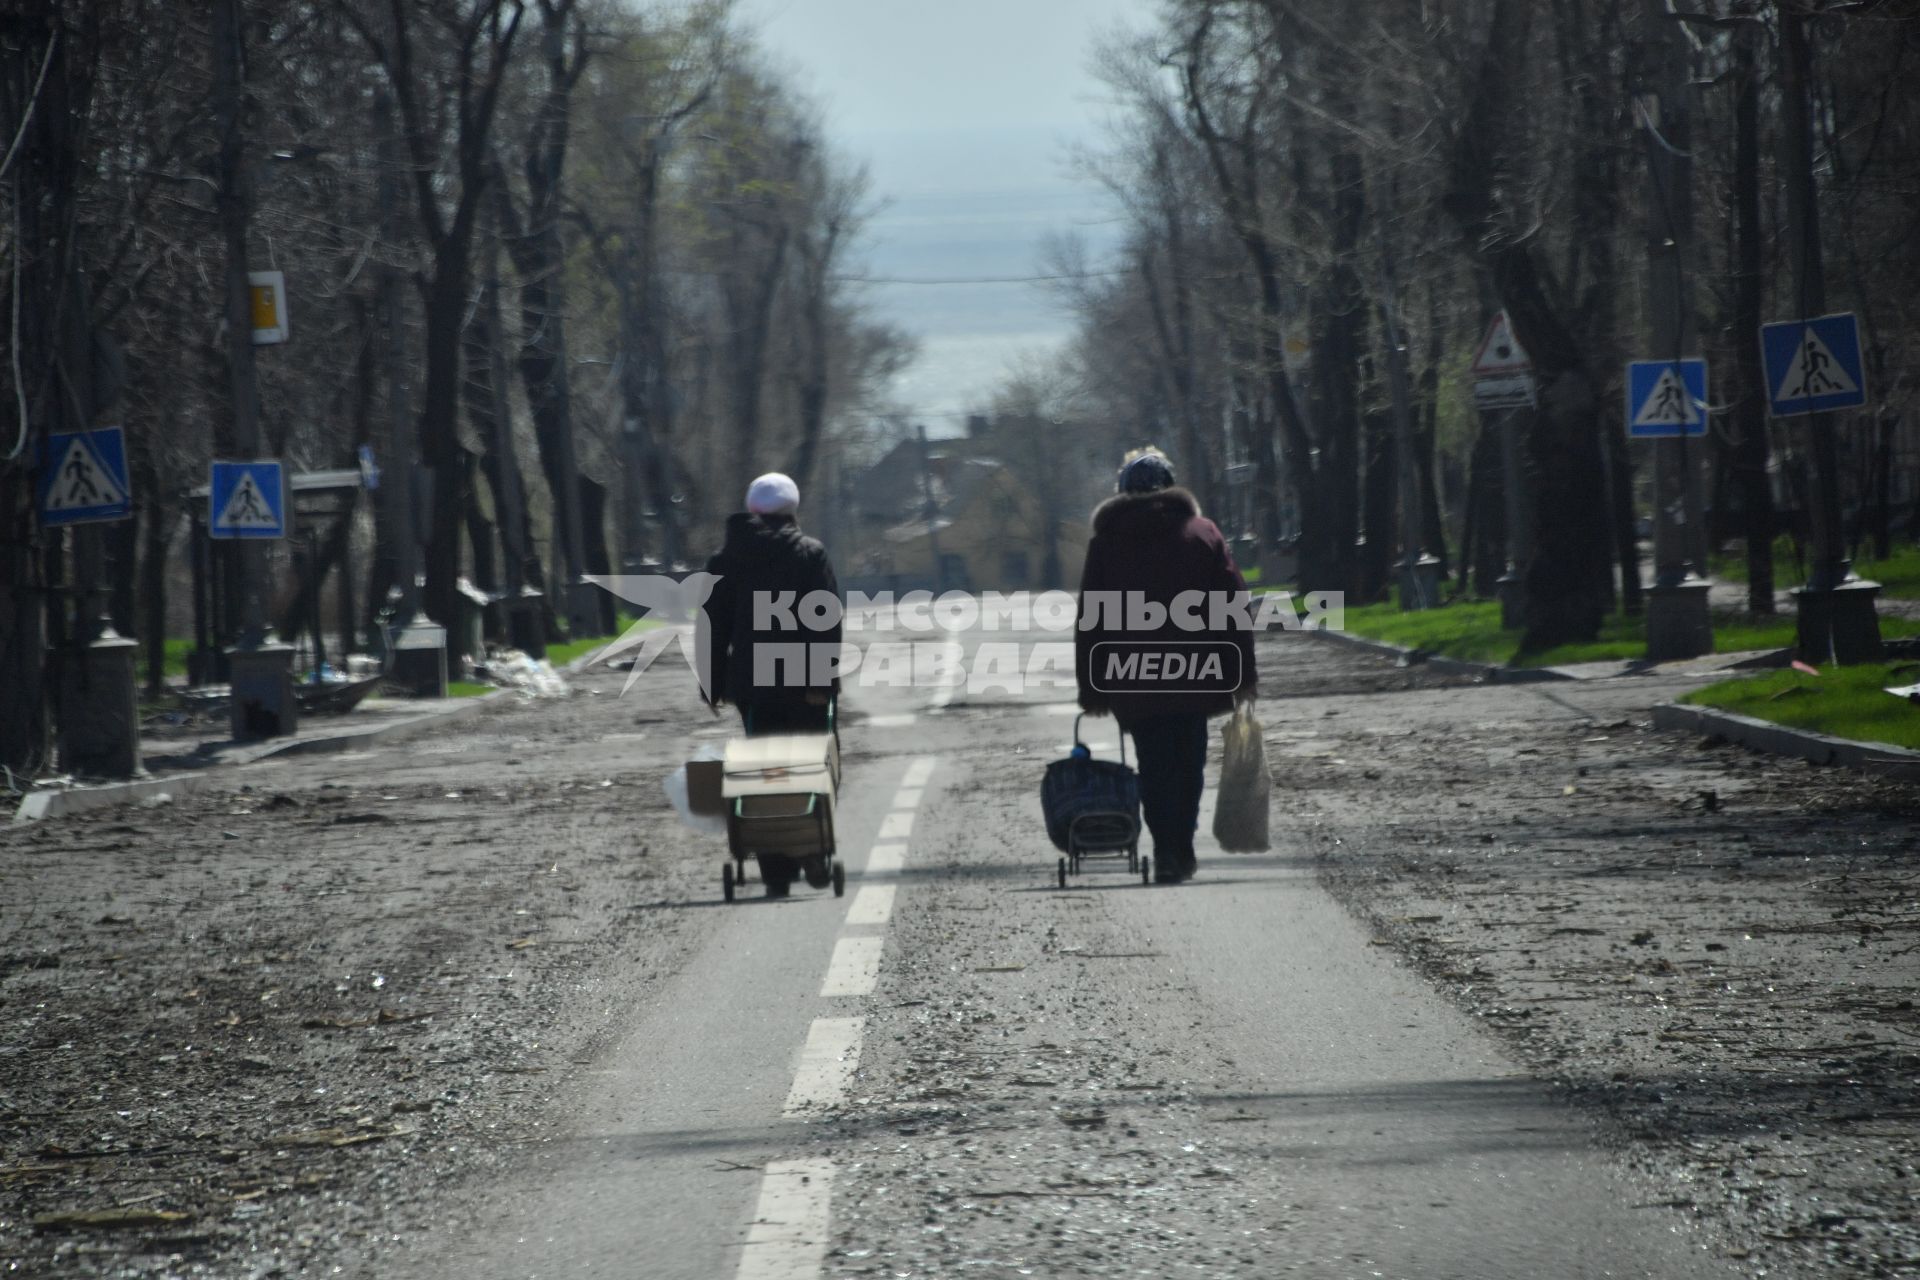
(964, 112)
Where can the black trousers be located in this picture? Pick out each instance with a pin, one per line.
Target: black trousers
(783, 715)
(1171, 755)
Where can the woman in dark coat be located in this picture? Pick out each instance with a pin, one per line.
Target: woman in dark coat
(1151, 548)
(766, 557)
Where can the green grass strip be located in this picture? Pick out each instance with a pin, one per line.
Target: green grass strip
(1898, 575)
(1471, 631)
(1847, 702)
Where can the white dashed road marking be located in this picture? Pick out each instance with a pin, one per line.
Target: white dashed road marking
(827, 1062)
(872, 905)
(788, 1238)
(855, 967)
(886, 859)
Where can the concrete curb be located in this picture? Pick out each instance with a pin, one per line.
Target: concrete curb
(55, 804)
(1448, 666)
(374, 734)
(1803, 744)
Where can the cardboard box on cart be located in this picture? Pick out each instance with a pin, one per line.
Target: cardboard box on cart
(780, 793)
(706, 788)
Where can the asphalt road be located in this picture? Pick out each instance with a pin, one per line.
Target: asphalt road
(765, 1109)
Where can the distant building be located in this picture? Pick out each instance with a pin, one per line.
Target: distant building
(1009, 510)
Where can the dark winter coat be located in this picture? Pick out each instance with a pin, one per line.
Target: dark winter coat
(763, 554)
(1159, 545)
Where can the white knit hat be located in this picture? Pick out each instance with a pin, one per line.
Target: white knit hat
(773, 494)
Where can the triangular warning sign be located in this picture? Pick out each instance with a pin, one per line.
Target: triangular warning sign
(1500, 352)
(81, 482)
(1814, 372)
(247, 507)
(1668, 404)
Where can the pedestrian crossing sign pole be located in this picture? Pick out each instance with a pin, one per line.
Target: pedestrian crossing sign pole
(1666, 399)
(83, 478)
(1813, 366)
(247, 500)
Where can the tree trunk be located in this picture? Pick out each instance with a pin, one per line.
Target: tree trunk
(1595, 214)
(156, 529)
(539, 260)
(1432, 512)
(1626, 532)
(440, 451)
(42, 178)
(1377, 554)
(1484, 550)
(1433, 526)
(1566, 583)
(1172, 327)
(490, 414)
(1751, 447)
(593, 529)
(480, 532)
(1886, 427)
(646, 407)
(817, 258)
(1321, 559)
(750, 316)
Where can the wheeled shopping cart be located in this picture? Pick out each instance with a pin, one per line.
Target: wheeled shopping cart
(1092, 809)
(779, 792)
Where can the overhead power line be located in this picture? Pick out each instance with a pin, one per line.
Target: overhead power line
(1082, 275)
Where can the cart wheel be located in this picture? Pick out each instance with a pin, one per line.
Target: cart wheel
(1063, 873)
(1146, 871)
(726, 881)
(839, 880)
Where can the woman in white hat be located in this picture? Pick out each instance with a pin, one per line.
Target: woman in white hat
(765, 552)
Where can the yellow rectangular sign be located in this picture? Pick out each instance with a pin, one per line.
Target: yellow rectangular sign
(268, 292)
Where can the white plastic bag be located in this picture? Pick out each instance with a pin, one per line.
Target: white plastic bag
(676, 786)
(1240, 812)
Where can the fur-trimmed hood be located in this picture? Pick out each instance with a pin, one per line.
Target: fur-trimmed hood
(1166, 508)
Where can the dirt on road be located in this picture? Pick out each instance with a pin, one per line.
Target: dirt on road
(260, 1029)
(1709, 954)
(1712, 950)
(269, 1027)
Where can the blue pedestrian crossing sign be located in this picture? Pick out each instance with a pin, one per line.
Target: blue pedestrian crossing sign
(247, 500)
(83, 478)
(1666, 398)
(1813, 366)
